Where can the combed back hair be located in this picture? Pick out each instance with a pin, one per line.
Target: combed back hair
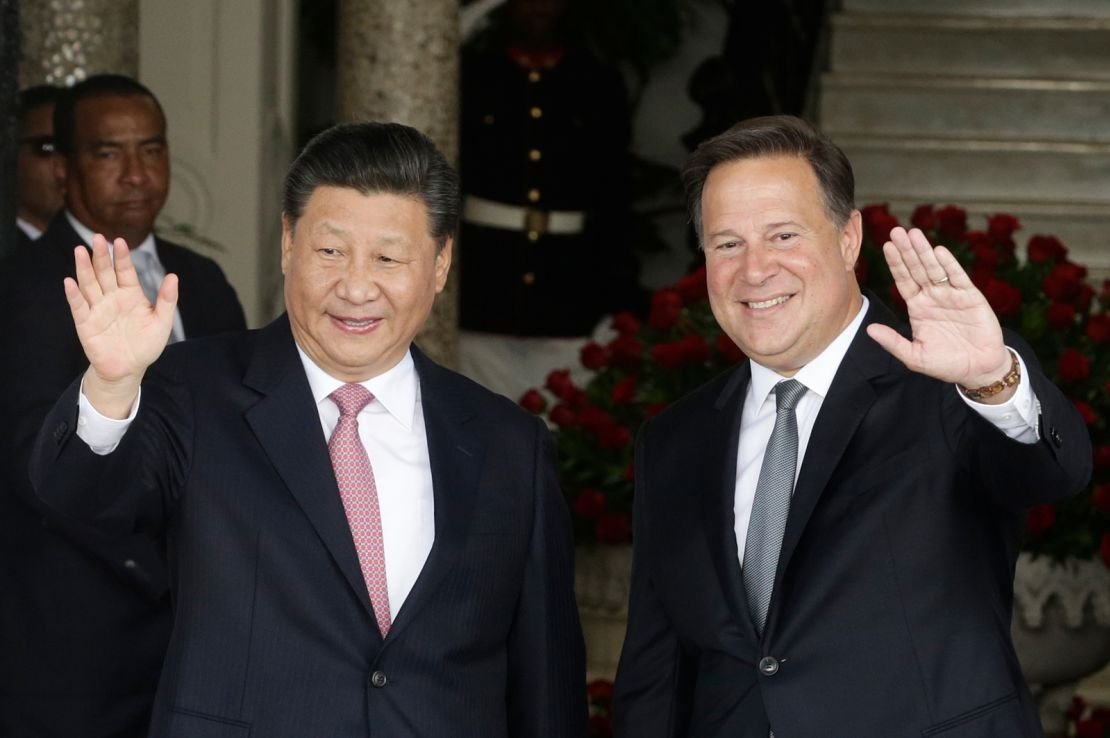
(374, 157)
(98, 85)
(36, 97)
(774, 135)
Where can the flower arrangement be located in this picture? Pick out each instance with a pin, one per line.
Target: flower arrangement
(651, 363)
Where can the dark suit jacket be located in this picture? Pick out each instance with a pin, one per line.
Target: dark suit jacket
(891, 609)
(84, 617)
(274, 634)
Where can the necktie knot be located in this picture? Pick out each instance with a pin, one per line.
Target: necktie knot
(351, 398)
(788, 394)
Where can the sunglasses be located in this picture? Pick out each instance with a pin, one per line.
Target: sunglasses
(41, 146)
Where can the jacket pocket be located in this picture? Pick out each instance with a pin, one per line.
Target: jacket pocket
(189, 724)
(972, 718)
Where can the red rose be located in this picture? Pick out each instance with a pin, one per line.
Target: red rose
(625, 351)
(986, 258)
(924, 218)
(613, 527)
(978, 239)
(693, 287)
(614, 437)
(666, 305)
(728, 350)
(533, 402)
(1004, 298)
(952, 221)
(1001, 227)
(694, 349)
(626, 324)
(562, 416)
(668, 355)
(1090, 417)
(560, 383)
(1061, 316)
(1040, 519)
(590, 504)
(1082, 301)
(878, 222)
(653, 409)
(577, 399)
(1098, 328)
(594, 419)
(1062, 283)
(1043, 249)
(600, 690)
(1100, 498)
(1104, 296)
(1104, 548)
(1091, 727)
(1073, 365)
(593, 356)
(625, 390)
(1102, 458)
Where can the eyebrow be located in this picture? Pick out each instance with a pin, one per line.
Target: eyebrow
(117, 144)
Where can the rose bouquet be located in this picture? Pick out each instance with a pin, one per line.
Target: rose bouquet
(651, 363)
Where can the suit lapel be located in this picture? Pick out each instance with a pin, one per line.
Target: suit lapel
(188, 303)
(456, 452)
(722, 436)
(286, 423)
(851, 395)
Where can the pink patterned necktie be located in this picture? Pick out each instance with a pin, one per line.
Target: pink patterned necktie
(359, 493)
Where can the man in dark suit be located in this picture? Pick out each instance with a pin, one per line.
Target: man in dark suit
(872, 597)
(85, 617)
(400, 565)
(38, 191)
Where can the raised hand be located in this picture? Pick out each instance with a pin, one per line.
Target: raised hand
(956, 335)
(120, 331)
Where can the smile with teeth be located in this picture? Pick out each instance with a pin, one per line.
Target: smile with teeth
(356, 323)
(764, 304)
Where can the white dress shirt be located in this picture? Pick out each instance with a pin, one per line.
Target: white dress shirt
(1017, 418)
(31, 231)
(147, 246)
(392, 431)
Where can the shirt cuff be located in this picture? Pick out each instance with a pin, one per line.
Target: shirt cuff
(102, 435)
(1018, 417)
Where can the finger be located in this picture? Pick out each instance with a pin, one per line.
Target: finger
(899, 271)
(86, 275)
(957, 276)
(78, 305)
(892, 341)
(903, 241)
(167, 295)
(934, 272)
(102, 264)
(126, 276)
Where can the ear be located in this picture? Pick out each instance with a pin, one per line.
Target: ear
(286, 242)
(851, 240)
(443, 264)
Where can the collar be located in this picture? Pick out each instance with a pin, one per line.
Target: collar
(87, 234)
(397, 389)
(31, 231)
(818, 374)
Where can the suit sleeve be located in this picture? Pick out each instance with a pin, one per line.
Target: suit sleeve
(648, 698)
(546, 655)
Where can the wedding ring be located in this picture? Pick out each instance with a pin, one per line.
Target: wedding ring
(940, 281)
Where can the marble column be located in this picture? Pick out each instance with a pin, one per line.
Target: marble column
(9, 68)
(64, 41)
(398, 60)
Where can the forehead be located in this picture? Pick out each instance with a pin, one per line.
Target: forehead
(39, 120)
(104, 114)
(759, 183)
(336, 208)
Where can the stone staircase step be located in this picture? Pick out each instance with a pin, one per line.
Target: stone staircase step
(976, 46)
(974, 169)
(1019, 8)
(953, 107)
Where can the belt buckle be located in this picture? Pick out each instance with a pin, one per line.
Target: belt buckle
(536, 221)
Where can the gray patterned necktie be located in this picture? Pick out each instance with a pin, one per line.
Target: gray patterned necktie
(150, 279)
(772, 503)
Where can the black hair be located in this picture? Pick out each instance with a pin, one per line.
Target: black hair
(98, 85)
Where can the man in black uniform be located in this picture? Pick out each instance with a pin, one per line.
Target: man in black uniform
(546, 250)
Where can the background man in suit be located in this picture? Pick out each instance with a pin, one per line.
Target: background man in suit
(85, 617)
(874, 601)
(398, 566)
(38, 191)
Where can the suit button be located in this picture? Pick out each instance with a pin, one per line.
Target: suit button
(768, 666)
(378, 679)
(1056, 439)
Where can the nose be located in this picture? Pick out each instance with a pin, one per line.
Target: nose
(134, 168)
(759, 263)
(360, 281)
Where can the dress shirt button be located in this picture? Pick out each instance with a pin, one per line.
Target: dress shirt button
(534, 76)
(535, 154)
(533, 195)
(129, 564)
(536, 112)
(378, 679)
(768, 666)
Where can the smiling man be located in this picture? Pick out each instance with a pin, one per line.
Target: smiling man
(64, 584)
(363, 542)
(826, 535)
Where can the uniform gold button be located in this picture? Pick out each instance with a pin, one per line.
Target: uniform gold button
(533, 235)
(534, 76)
(528, 278)
(488, 119)
(533, 195)
(536, 112)
(535, 155)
